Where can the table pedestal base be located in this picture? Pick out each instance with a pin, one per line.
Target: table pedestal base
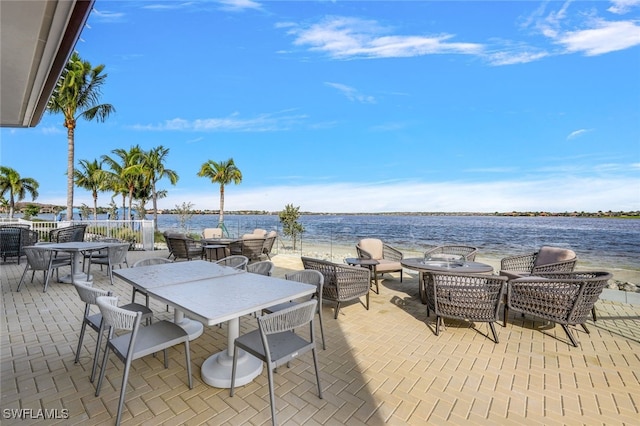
(80, 278)
(216, 370)
(193, 328)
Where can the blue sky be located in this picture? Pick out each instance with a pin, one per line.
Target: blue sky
(354, 106)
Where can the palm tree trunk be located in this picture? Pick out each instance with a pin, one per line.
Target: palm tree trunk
(154, 200)
(70, 158)
(221, 221)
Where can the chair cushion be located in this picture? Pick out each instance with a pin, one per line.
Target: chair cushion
(548, 255)
(373, 246)
(388, 266)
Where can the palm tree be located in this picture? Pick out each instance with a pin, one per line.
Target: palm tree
(126, 173)
(154, 169)
(223, 173)
(17, 187)
(91, 177)
(77, 95)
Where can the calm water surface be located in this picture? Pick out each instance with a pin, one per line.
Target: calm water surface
(614, 242)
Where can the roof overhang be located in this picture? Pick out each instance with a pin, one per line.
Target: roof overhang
(37, 38)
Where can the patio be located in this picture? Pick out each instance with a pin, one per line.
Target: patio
(382, 366)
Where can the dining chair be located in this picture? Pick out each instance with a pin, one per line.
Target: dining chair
(89, 295)
(264, 267)
(147, 262)
(307, 276)
(116, 255)
(39, 258)
(139, 342)
(276, 343)
(235, 261)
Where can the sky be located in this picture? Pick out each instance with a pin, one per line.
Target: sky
(363, 106)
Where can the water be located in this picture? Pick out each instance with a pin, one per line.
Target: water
(614, 242)
(603, 242)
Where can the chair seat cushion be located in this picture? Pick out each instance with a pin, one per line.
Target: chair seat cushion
(388, 266)
(151, 338)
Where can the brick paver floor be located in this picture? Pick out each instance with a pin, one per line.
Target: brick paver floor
(382, 366)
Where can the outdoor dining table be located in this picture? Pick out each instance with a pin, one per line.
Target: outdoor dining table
(224, 295)
(76, 249)
(425, 266)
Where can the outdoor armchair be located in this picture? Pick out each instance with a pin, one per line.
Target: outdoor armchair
(67, 234)
(13, 239)
(388, 257)
(468, 252)
(565, 298)
(341, 282)
(182, 247)
(470, 297)
(547, 259)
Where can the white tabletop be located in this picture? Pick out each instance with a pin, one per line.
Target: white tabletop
(219, 299)
(212, 293)
(147, 277)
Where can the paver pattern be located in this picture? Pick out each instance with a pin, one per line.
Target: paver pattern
(382, 366)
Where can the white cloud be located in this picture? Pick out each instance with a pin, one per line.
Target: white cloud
(605, 37)
(577, 133)
(233, 123)
(552, 194)
(621, 7)
(346, 38)
(238, 5)
(106, 16)
(351, 93)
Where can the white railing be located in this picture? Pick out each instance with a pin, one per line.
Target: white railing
(138, 232)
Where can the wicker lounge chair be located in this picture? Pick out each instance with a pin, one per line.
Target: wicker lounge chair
(13, 239)
(341, 282)
(472, 297)
(547, 259)
(565, 298)
(468, 252)
(388, 257)
(182, 247)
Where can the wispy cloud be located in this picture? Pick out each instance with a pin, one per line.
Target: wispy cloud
(351, 93)
(238, 5)
(107, 16)
(623, 6)
(233, 123)
(604, 37)
(348, 38)
(578, 133)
